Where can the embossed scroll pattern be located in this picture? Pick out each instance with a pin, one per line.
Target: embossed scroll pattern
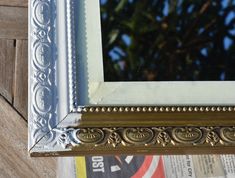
(42, 70)
(154, 136)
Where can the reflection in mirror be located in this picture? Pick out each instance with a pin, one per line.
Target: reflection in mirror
(163, 40)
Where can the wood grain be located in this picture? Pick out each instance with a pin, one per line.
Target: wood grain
(19, 3)
(7, 61)
(13, 22)
(14, 159)
(21, 77)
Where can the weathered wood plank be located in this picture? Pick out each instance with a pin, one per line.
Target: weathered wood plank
(13, 22)
(19, 3)
(7, 61)
(21, 77)
(14, 158)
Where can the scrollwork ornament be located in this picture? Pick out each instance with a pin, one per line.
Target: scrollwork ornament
(90, 136)
(42, 12)
(141, 136)
(113, 137)
(187, 135)
(41, 34)
(228, 134)
(66, 138)
(42, 99)
(163, 139)
(145, 137)
(212, 136)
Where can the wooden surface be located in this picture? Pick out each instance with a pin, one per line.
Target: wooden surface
(7, 62)
(21, 63)
(14, 159)
(19, 3)
(13, 22)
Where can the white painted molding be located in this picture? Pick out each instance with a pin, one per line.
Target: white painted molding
(72, 62)
(45, 84)
(42, 104)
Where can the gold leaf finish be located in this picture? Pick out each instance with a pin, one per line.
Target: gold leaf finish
(90, 135)
(187, 135)
(138, 135)
(154, 137)
(228, 134)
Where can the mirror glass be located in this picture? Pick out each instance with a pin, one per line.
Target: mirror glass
(168, 40)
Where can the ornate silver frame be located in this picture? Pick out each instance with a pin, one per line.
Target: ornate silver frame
(80, 130)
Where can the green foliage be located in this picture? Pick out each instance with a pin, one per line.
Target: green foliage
(168, 40)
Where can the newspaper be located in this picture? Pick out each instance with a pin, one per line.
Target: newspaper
(208, 166)
(179, 166)
(151, 166)
(228, 162)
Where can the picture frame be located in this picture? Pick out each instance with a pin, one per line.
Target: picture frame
(72, 111)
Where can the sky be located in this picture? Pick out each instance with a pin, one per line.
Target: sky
(116, 52)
